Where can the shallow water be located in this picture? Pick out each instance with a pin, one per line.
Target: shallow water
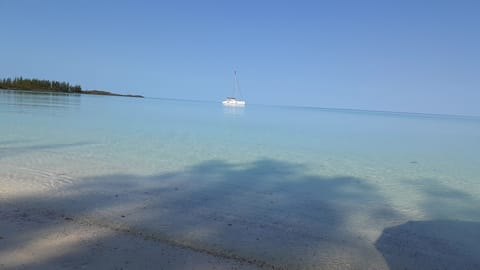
(290, 186)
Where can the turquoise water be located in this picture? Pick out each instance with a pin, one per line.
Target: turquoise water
(308, 177)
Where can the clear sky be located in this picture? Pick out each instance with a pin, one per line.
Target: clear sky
(416, 56)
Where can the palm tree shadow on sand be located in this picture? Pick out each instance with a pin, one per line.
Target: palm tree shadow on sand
(439, 242)
(267, 213)
(433, 244)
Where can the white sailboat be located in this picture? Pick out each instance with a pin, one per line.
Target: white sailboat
(233, 101)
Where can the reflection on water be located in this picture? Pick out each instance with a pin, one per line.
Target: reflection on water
(39, 98)
(15, 100)
(229, 110)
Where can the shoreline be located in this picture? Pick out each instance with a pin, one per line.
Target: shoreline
(86, 92)
(106, 93)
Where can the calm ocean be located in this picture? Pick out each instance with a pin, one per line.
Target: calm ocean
(305, 181)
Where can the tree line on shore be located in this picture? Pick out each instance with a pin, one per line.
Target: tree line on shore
(19, 83)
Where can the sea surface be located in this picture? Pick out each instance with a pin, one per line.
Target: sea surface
(296, 187)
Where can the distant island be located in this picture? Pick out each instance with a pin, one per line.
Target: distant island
(52, 86)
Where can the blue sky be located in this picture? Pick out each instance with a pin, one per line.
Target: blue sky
(416, 56)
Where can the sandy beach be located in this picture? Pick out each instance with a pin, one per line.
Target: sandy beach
(169, 221)
(35, 239)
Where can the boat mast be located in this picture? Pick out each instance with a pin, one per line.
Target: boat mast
(234, 93)
(235, 85)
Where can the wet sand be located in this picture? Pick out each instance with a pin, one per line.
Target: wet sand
(218, 216)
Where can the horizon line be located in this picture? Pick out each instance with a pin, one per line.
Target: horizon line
(449, 115)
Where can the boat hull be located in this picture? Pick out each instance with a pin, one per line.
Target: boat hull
(234, 103)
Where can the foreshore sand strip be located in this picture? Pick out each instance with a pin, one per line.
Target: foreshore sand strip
(36, 236)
